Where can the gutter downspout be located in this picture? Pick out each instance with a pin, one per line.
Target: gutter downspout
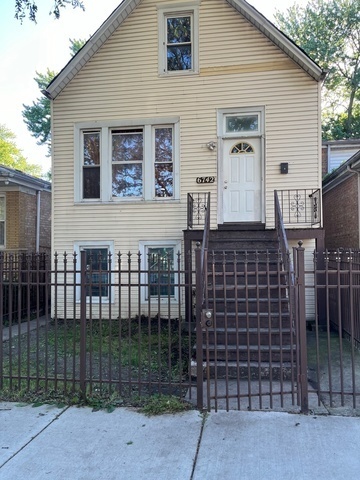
(37, 234)
(349, 169)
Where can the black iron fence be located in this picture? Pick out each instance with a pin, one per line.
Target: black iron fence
(134, 326)
(198, 204)
(23, 290)
(300, 206)
(117, 324)
(333, 335)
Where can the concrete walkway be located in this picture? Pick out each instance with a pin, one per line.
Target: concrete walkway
(77, 444)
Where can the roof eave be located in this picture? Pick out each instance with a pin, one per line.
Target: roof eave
(348, 168)
(90, 48)
(15, 177)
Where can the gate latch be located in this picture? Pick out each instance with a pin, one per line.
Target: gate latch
(207, 318)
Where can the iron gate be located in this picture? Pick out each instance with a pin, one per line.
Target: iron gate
(248, 338)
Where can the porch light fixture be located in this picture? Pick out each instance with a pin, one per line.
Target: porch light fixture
(211, 145)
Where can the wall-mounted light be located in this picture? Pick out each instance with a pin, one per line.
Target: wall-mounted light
(211, 145)
(284, 167)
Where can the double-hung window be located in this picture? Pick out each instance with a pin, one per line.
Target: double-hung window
(179, 42)
(97, 281)
(98, 270)
(160, 273)
(178, 39)
(91, 164)
(163, 161)
(126, 163)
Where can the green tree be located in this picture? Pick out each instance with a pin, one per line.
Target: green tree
(11, 156)
(29, 9)
(336, 127)
(329, 31)
(76, 45)
(37, 116)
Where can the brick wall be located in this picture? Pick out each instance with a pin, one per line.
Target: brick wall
(324, 161)
(21, 221)
(12, 220)
(27, 217)
(45, 219)
(341, 217)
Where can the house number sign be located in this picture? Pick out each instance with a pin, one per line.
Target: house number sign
(205, 179)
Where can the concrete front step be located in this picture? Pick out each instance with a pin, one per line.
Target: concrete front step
(251, 320)
(249, 371)
(251, 353)
(251, 336)
(241, 307)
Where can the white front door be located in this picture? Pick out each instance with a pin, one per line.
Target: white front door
(242, 180)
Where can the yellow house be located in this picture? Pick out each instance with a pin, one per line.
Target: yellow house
(170, 98)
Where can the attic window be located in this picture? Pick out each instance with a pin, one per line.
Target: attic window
(179, 43)
(178, 40)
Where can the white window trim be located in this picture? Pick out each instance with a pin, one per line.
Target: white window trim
(3, 245)
(106, 165)
(224, 112)
(78, 247)
(143, 249)
(191, 8)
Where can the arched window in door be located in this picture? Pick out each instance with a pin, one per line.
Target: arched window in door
(242, 147)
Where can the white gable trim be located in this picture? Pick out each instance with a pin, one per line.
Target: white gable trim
(90, 48)
(127, 7)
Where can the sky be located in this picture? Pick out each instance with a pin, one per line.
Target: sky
(28, 48)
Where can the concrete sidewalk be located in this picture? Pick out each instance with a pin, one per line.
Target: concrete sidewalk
(77, 444)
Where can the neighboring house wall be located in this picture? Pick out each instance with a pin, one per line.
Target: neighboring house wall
(341, 214)
(21, 220)
(12, 233)
(336, 152)
(310, 247)
(45, 222)
(239, 68)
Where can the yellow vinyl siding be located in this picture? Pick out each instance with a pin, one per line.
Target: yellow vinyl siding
(309, 246)
(239, 67)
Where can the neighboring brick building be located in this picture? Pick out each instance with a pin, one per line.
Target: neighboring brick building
(341, 205)
(25, 212)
